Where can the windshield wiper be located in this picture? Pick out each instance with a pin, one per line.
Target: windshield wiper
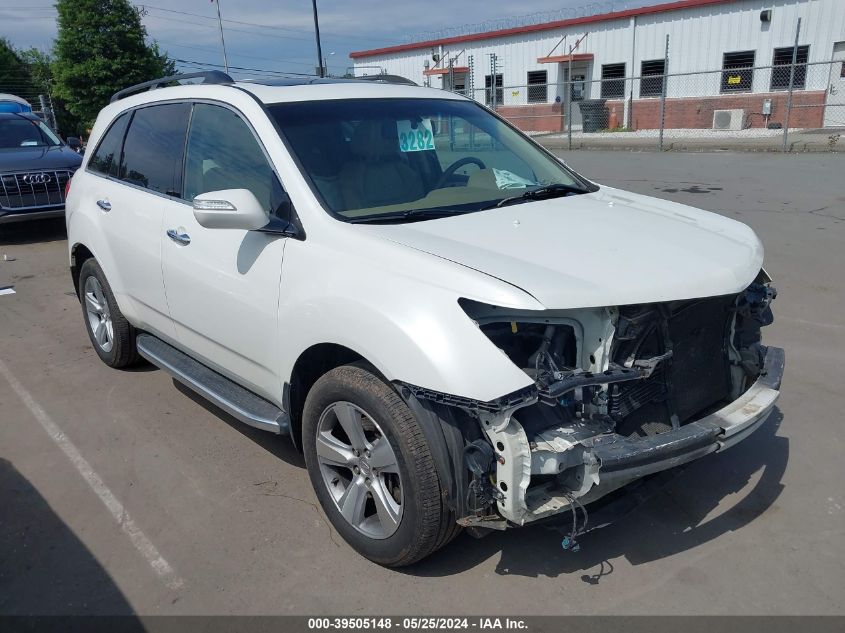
(407, 216)
(540, 193)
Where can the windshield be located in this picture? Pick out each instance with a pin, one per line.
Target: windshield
(19, 132)
(395, 158)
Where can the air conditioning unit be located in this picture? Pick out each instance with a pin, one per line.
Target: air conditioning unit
(728, 119)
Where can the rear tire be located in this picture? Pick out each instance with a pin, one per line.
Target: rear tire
(112, 336)
(403, 517)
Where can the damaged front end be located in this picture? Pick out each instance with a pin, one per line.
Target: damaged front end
(619, 393)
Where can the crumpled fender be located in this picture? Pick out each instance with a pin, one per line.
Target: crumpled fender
(411, 329)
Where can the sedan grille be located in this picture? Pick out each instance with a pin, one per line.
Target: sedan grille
(33, 190)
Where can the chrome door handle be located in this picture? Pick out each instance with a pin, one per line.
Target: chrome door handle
(179, 238)
(105, 205)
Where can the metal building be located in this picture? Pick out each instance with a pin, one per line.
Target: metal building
(721, 64)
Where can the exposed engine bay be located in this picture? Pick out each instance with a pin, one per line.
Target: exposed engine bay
(619, 393)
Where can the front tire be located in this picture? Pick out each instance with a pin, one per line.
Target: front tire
(372, 469)
(112, 336)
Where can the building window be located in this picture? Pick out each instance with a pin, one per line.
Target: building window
(782, 63)
(538, 86)
(613, 81)
(488, 92)
(738, 71)
(578, 87)
(651, 81)
(456, 82)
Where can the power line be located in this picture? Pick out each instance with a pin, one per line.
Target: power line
(228, 28)
(266, 71)
(29, 18)
(147, 7)
(263, 26)
(211, 50)
(215, 51)
(169, 19)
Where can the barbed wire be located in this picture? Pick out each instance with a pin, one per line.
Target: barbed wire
(514, 21)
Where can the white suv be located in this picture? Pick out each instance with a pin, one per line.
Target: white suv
(455, 328)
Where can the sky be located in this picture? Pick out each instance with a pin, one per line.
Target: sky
(278, 36)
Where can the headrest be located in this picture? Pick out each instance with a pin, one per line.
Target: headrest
(375, 140)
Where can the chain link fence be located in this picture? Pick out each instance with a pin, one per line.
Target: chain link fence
(761, 106)
(37, 92)
(770, 106)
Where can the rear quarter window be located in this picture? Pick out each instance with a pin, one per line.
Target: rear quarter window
(154, 147)
(106, 158)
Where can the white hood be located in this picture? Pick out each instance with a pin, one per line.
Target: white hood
(601, 249)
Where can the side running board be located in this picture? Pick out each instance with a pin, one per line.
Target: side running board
(216, 388)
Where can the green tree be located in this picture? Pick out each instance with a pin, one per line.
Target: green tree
(101, 48)
(39, 63)
(15, 77)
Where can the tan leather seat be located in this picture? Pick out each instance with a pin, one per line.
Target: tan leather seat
(379, 174)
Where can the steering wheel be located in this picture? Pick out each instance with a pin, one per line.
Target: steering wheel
(451, 169)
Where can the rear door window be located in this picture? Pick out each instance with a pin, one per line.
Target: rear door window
(106, 159)
(154, 147)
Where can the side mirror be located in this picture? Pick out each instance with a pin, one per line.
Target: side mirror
(230, 209)
(73, 143)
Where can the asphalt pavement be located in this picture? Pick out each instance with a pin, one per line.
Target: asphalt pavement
(122, 493)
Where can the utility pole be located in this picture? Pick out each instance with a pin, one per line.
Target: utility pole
(569, 85)
(222, 41)
(321, 71)
(629, 115)
(568, 89)
(493, 69)
(791, 87)
(663, 93)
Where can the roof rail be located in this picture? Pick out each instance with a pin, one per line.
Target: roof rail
(387, 79)
(209, 77)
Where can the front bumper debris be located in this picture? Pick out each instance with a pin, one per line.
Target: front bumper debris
(613, 461)
(587, 463)
(630, 459)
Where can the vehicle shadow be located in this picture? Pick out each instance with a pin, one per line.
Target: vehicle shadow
(140, 368)
(32, 232)
(279, 446)
(46, 570)
(678, 518)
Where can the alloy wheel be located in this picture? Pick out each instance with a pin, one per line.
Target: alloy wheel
(360, 470)
(99, 316)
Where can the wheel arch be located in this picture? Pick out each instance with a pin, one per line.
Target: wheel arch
(445, 428)
(312, 363)
(79, 254)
